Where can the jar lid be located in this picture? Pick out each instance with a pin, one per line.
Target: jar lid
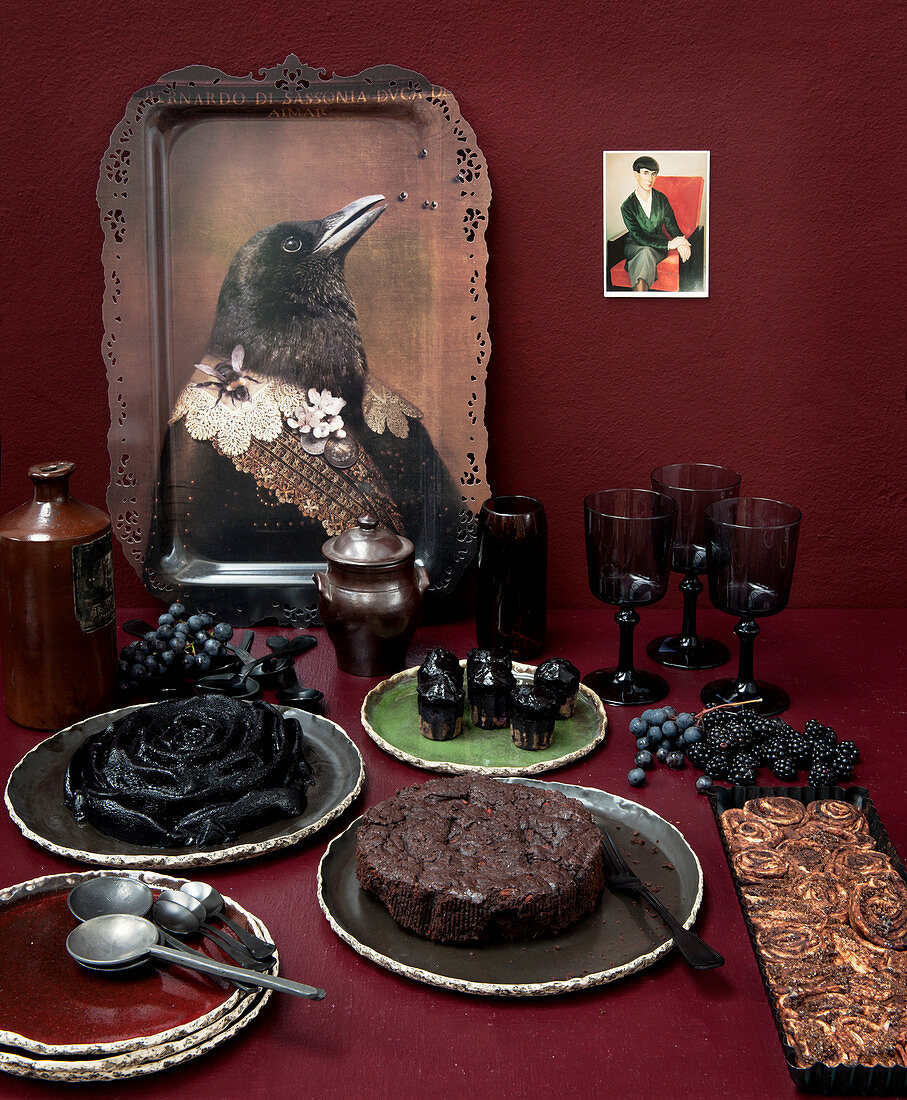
(367, 544)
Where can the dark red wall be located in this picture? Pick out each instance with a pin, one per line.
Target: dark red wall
(792, 369)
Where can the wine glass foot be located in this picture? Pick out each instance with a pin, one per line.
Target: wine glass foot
(774, 699)
(626, 689)
(677, 651)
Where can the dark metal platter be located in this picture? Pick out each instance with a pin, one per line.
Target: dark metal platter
(619, 938)
(34, 798)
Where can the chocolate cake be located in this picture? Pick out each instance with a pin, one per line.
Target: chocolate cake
(559, 678)
(468, 858)
(829, 915)
(532, 716)
(190, 773)
(439, 661)
(440, 702)
(490, 683)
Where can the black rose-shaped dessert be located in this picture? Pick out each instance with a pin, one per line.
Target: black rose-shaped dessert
(190, 773)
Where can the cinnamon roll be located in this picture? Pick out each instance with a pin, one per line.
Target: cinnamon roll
(744, 830)
(878, 911)
(778, 810)
(832, 811)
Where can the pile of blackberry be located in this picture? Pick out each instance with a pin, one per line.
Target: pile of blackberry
(736, 742)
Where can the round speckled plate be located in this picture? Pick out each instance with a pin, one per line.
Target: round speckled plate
(619, 938)
(390, 717)
(34, 798)
(61, 1022)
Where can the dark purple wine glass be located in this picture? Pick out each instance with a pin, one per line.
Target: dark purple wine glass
(752, 545)
(694, 485)
(628, 552)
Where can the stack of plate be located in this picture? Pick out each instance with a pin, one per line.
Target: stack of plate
(59, 1022)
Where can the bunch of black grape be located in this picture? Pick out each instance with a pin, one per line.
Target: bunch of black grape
(663, 735)
(179, 649)
(731, 744)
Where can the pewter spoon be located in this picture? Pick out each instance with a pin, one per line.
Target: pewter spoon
(106, 895)
(94, 897)
(214, 906)
(114, 941)
(183, 915)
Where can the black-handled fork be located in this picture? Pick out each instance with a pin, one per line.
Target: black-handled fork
(694, 950)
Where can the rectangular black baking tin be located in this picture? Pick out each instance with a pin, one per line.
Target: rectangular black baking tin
(830, 1080)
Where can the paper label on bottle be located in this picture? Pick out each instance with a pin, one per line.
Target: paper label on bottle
(92, 583)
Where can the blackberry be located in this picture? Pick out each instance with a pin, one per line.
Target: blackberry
(848, 752)
(784, 769)
(743, 768)
(741, 774)
(842, 768)
(800, 749)
(717, 764)
(697, 753)
(822, 775)
(822, 752)
(816, 732)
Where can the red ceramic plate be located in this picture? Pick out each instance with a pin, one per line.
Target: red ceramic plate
(50, 1005)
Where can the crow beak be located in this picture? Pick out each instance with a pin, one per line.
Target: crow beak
(344, 228)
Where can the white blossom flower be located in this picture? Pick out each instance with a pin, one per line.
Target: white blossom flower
(319, 416)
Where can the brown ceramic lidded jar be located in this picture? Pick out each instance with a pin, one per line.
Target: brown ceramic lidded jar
(57, 613)
(370, 598)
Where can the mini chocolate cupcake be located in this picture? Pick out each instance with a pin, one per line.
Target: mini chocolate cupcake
(439, 660)
(489, 694)
(560, 679)
(441, 708)
(532, 716)
(479, 658)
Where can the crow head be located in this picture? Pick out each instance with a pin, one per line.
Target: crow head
(285, 299)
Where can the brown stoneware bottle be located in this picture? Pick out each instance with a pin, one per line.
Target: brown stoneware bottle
(57, 612)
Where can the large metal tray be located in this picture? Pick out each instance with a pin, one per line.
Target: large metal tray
(200, 163)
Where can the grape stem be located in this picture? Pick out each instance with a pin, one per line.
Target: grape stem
(724, 706)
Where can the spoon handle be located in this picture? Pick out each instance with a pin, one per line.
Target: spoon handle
(257, 948)
(196, 961)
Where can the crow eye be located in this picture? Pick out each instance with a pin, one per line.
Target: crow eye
(292, 244)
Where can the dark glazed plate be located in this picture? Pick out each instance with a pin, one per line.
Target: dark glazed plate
(619, 938)
(854, 1080)
(390, 716)
(63, 1023)
(34, 798)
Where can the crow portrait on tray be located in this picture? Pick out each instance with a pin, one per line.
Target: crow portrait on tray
(282, 437)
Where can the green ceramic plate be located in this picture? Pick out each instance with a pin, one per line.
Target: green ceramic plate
(391, 718)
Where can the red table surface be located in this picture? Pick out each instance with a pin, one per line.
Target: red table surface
(663, 1032)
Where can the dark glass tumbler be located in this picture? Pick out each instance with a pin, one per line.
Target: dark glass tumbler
(752, 545)
(628, 552)
(512, 560)
(694, 485)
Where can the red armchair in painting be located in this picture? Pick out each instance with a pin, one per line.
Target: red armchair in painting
(685, 196)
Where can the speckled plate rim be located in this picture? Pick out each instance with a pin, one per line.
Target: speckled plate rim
(451, 768)
(53, 884)
(586, 795)
(22, 1066)
(202, 858)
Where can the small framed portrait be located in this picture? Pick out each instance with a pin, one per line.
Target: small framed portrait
(656, 223)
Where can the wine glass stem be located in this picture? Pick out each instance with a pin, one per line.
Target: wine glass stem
(626, 619)
(746, 630)
(690, 586)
